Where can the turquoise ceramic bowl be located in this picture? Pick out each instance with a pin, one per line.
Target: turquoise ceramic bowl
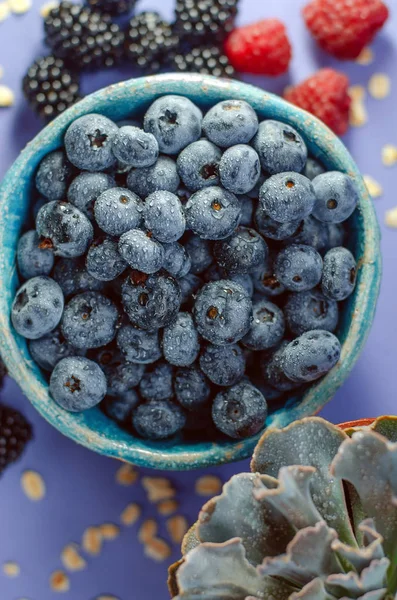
(92, 428)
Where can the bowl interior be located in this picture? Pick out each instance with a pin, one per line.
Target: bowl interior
(129, 99)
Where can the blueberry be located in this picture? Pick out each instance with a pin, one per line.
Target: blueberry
(198, 165)
(272, 229)
(53, 175)
(108, 358)
(213, 213)
(64, 229)
(37, 204)
(104, 261)
(118, 210)
(158, 420)
(267, 328)
(141, 251)
(310, 310)
(339, 274)
(86, 188)
(163, 216)
(311, 355)
(151, 301)
(174, 121)
(223, 312)
(176, 260)
(313, 168)
(240, 411)
(124, 377)
(287, 197)
(157, 384)
(223, 365)
(336, 235)
(243, 252)
(239, 169)
(337, 197)
(48, 350)
(298, 267)
(265, 281)
(89, 320)
(247, 211)
(192, 389)
(139, 346)
(214, 273)
(280, 147)
(271, 366)
(200, 252)
(31, 259)
(135, 147)
(310, 232)
(190, 285)
(120, 408)
(77, 384)
(37, 307)
(160, 176)
(88, 142)
(71, 274)
(230, 122)
(254, 193)
(180, 341)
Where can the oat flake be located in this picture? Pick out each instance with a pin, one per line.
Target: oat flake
(130, 514)
(177, 527)
(109, 531)
(106, 597)
(92, 541)
(147, 531)
(33, 484)
(358, 114)
(366, 57)
(20, 7)
(158, 488)
(59, 582)
(71, 559)
(157, 549)
(11, 568)
(4, 11)
(374, 188)
(391, 218)
(379, 86)
(167, 507)
(7, 97)
(126, 474)
(208, 485)
(389, 155)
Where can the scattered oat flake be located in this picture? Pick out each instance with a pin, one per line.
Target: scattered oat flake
(147, 531)
(19, 7)
(109, 531)
(374, 188)
(130, 514)
(356, 92)
(33, 484)
(7, 97)
(59, 582)
(366, 57)
(379, 86)
(208, 485)
(47, 8)
(157, 549)
(167, 507)
(158, 488)
(358, 114)
(389, 155)
(71, 559)
(92, 541)
(391, 218)
(4, 11)
(126, 474)
(177, 527)
(106, 597)
(11, 568)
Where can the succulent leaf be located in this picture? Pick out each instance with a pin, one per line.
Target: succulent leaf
(236, 512)
(310, 442)
(371, 579)
(315, 590)
(387, 427)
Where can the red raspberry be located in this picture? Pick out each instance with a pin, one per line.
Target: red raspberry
(262, 48)
(344, 27)
(325, 95)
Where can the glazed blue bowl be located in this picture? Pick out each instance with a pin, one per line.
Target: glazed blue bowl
(92, 428)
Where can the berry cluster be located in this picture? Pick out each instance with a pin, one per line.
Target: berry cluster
(15, 433)
(186, 270)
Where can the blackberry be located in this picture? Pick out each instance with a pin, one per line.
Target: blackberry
(83, 37)
(209, 60)
(15, 432)
(50, 87)
(112, 7)
(205, 19)
(3, 372)
(149, 41)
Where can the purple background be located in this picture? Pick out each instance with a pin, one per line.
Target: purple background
(81, 489)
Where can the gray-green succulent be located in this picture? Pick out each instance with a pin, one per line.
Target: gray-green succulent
(315, 520)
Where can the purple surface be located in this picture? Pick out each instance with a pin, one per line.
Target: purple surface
(81, 488)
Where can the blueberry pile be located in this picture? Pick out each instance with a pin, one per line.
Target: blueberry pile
(185, 270)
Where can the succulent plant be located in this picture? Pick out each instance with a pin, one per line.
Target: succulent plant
(315, 520)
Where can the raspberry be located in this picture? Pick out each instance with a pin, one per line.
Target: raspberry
(262, 48)
(344, 27)
(325, 95)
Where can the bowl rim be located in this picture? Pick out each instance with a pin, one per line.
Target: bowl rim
(322, 142)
